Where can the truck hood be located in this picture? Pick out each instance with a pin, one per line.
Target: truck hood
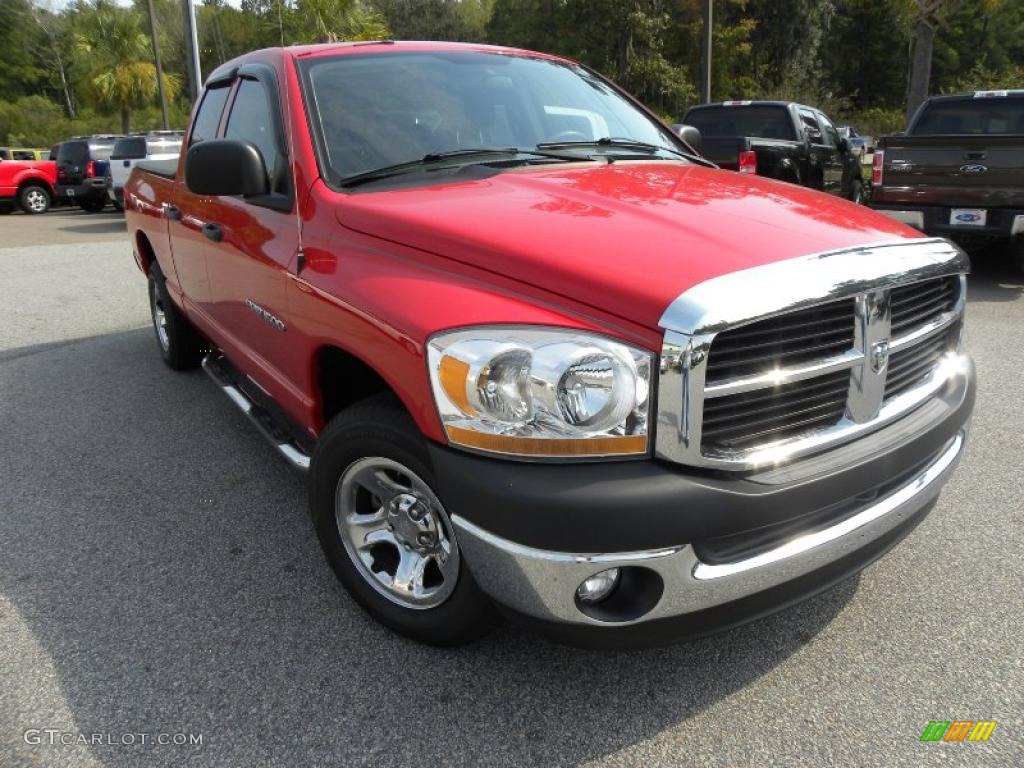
(626, 237)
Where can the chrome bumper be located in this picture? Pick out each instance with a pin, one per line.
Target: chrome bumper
(542, 584)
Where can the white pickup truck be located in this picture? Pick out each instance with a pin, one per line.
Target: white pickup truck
(155, 145)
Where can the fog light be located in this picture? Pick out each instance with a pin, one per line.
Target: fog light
(598, 586)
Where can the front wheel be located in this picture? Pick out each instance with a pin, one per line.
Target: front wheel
(385, 531)
(34, 198)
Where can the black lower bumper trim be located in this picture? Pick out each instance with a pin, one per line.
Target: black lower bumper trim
(690, 626)
(625, 506)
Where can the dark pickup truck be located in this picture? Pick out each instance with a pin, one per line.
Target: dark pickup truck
(780, 140)
(958, 170)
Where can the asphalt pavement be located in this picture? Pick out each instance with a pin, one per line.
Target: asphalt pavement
(159, 577)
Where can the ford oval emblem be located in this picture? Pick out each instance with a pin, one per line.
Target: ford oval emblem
(968, 218)
(973, 168)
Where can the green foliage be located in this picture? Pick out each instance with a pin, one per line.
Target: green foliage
(89, 67)
(457, 20)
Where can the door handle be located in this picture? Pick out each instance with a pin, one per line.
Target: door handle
(172, 212)
(212, 232)
(974, 155)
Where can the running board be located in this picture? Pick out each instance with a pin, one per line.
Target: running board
(257, 415)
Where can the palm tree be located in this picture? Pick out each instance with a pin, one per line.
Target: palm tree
(116, 52)
(328, 21)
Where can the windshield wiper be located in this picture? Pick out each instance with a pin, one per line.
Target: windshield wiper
(611, 141)
(439, 158)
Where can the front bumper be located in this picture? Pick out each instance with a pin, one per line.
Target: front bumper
(1001, 223)
(702, 551)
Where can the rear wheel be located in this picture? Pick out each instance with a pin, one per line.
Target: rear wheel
(92, 204)
(385, 531)
(34, 198)
(1017, 246)
(178, 341)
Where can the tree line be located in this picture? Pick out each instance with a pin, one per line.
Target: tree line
(89, 67)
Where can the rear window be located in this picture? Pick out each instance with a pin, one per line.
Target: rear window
(974, 115)
(163, 146)
(101, 151)
(74, 152)
(757, 122)
(129, 149)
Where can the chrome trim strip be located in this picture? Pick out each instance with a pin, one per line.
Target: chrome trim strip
(799, 546)
(786, 375)
(733, 300)
(292, 455)
(752, 294)
(543, 583)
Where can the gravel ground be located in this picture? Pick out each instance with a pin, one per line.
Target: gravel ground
(158, 575)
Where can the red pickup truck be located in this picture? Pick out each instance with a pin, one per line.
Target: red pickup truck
(537, 355)
(29, 184)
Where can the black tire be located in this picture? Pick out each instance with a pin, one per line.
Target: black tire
(117, 206)
(857, 192)
(93, 204)
(1017, 251)
(180, 349)
(34, 199)
(380, 428)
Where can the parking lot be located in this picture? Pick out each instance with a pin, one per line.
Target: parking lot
(159, 575)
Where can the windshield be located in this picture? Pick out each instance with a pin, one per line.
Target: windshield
(757, 122)
(375, 111)
(976, 115)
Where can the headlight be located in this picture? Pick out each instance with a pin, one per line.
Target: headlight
(541, 392)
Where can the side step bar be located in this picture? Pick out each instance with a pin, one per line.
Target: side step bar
(259, 416)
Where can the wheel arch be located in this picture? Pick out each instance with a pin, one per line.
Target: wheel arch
(145, 255)
(343, 378)
(36, 181)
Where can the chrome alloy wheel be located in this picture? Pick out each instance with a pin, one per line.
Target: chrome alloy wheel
(397, 533)
(36, 200)
(156, 306)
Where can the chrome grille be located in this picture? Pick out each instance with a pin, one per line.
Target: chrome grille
(907, 367)
(918, 304)
(790, 358)
(790, 339)
(746, 419)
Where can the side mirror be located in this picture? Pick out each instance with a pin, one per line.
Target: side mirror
(225, 167)
(814, 136)
(844, 144)
(689, 134)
